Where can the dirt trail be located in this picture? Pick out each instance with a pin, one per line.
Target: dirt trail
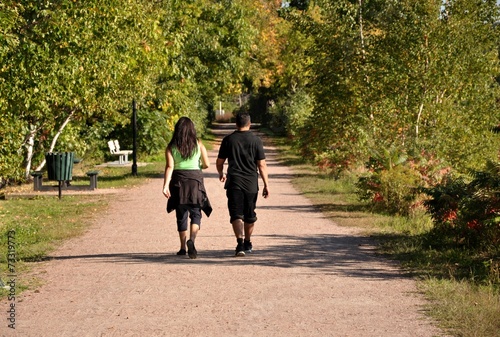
(306, 277)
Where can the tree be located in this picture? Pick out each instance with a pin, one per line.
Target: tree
(438, 93)
(382, 77)
(74, 61)
(9, 144)
(71, 69)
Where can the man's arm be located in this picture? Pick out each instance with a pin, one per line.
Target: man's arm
(261, 164)
(220, 169)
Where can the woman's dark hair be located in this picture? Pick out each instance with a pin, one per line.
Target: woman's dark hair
(184, 138)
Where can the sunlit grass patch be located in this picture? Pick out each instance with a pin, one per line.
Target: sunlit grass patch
(462, 308)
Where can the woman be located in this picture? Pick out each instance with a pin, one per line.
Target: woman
(183, 184)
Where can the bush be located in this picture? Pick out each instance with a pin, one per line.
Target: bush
(288, 114)
(468, 212)
(393, 191)
(392, 184)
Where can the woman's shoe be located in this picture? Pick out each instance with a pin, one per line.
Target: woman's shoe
(181, 252)
(191, 250)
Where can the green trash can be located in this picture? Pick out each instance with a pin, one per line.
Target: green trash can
(60, 165)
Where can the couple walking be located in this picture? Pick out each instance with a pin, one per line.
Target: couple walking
(183, 184)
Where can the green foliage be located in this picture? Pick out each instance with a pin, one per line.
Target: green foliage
(466, 219)
(290, 113)
(399, 189)
(391, 185)
(437, 94)
(69, 71)
(395, 179)
(468, 212)
(73, 62)
(11, 146)
(154, 132)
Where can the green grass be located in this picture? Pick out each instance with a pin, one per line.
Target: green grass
(40, 222)
(462, 308)
(121, 177)
(39, 225)
(463, 290)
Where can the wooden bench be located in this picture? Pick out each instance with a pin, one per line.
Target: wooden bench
(114, 148)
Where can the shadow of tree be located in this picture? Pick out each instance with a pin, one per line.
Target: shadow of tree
(347, 255)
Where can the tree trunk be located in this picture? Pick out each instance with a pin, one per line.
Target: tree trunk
(30, 141)
(361, 34)
(363, 52)
(54, 140)
(418, 120)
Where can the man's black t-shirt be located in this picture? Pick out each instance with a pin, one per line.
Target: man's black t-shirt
(242, 149)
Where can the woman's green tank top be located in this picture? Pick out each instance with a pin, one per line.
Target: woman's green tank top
(192, 163)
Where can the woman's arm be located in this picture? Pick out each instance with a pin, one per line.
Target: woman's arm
(169, 168)
(205, 163)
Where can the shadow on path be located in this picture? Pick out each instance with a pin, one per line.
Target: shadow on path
(328, 254)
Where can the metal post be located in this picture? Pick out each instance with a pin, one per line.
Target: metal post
(60, 188)
(134, 130)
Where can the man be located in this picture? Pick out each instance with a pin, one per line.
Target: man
(245, 154)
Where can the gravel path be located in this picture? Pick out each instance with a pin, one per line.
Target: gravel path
(306, 277)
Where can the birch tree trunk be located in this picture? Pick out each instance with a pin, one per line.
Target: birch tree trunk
(361, 34)
(363, 52)
(54, 140)
(30, 142)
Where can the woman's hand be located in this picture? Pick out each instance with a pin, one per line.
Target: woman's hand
(166, 192)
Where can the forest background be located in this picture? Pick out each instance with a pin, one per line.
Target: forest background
(401, 94)
(345, 81)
